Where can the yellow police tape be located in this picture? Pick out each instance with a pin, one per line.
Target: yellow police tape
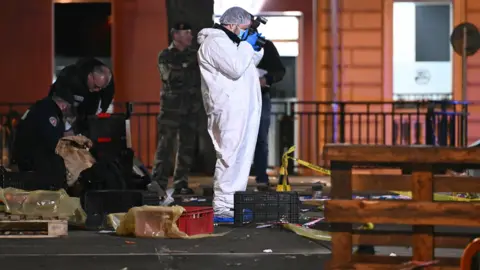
(283, 184)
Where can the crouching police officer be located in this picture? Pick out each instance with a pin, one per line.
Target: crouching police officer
(37, 135)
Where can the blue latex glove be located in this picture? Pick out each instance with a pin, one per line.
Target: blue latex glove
(256, 47)
(252, 39)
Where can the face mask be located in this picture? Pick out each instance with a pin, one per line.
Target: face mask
(242, 33)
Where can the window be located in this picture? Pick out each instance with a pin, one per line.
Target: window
(421, 51)
(283, 31)
(253, 6)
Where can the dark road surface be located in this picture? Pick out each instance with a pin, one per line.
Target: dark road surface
(240, 249)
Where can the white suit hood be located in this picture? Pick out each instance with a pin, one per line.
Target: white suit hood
(204, 33)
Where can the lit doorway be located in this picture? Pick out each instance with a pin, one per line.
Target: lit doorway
(81, 30)
(422, 56)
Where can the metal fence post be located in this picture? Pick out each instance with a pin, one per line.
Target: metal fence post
(430, 125)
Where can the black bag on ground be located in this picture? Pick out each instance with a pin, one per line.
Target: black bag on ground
(103, 175)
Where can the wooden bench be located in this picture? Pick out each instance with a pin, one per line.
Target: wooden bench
(421, 212)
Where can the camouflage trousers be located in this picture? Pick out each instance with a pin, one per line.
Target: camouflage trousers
(177, 125)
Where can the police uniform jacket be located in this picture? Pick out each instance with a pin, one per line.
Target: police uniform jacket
(38, 133)
(87, 103)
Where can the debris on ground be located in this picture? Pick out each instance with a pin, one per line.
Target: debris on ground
(411, 265)
(308, 233)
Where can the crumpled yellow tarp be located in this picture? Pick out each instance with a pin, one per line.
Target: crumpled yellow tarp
(43, 203)
(75, 152)
(152, 222)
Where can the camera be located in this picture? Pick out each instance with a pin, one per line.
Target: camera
(254, 29)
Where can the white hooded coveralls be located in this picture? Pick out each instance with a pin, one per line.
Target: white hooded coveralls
(233, 103)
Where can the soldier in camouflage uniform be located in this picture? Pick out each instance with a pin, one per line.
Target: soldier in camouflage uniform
(181, 104)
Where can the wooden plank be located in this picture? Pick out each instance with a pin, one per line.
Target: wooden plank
(456, 184)
(33, 228)
(403, 212)
(365, 182)
(401, 154)
(398, 260)
(341, 232)
(374, 183)
(376, 266)
(386, 238)
(422, 191)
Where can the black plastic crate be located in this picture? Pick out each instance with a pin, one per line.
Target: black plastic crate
(266, 207)
(28, 181)
(98, 204)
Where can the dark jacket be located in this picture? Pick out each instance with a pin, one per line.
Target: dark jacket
(36, 138)
(272, 64)
(74, 77)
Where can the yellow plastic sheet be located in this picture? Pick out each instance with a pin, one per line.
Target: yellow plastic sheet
(308, 233)
(152, 222)
(317, 234)
(42, 203)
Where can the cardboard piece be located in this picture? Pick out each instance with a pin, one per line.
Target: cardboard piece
(75, 152)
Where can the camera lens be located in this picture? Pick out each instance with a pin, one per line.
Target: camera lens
(261, 42)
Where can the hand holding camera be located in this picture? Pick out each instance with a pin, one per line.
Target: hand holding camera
(253, 38)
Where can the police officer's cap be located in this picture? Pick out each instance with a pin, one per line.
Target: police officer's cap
(181, 26)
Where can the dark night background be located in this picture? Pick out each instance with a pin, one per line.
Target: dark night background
(82, 30)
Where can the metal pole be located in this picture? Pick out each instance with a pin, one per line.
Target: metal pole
(464, 83)
(464, 64)
(335, 61)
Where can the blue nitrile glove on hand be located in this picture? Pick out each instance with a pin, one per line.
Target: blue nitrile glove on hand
(252, 40)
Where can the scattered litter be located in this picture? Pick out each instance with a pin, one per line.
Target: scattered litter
(308, 233)
(313, 222)
(169, 197)
(223, 220)
(393, 255)
(264, 226)
(194, 199)
(310, 198)
(106, 231)
(417, 265)
(304, 210)
(267, 251)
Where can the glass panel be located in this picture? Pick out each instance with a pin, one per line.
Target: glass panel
(287, 49)
(415, 77)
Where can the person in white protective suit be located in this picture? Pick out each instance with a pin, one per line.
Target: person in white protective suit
(231, 92)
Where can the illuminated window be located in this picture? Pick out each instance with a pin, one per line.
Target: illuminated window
(280, 28)
(286, 49)
(253, 6)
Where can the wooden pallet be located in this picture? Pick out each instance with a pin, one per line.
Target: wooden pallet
(18, 226)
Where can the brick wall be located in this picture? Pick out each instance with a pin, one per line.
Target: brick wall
(360, 64)
(472, 8)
